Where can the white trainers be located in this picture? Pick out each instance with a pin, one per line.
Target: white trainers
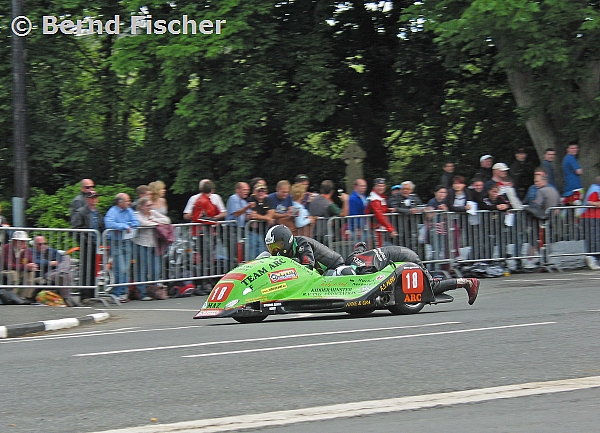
(592, 263)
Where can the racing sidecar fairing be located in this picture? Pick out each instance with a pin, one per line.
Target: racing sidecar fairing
(278, 285)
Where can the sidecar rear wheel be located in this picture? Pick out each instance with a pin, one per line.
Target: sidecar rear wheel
(250, 319)
(403, 308)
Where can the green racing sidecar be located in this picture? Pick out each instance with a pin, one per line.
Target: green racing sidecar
(279, 285)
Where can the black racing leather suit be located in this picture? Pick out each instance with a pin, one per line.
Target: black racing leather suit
(315, 255)
(368, 261)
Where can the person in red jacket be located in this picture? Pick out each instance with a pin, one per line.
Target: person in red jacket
(205, 211)
(377, 205)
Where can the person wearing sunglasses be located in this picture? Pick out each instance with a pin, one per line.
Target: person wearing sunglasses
(78, 202)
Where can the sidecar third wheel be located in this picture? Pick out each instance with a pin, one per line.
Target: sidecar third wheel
(250, 319)
(404, 307)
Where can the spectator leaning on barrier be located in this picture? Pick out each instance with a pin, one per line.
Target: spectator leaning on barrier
(19, 267)
(548, 164)
(214, 198)
(88, 217)
(532, 191)
(237, 207)
(281, 201)
(121, 218)
(591, 224)
(439, 201)
(496, 201)
(405, 201)
(509, 191)
(457, 195)
(546, 196)
(476, 193)
(79, 200)
(262, 218)
(147, 264)
(303, 219)
(323, 206)
(356, 206)
(204, 208)
(377, 205)
(307, 197)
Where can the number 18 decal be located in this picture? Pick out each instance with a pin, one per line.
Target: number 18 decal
(412, 281)
(220, 292)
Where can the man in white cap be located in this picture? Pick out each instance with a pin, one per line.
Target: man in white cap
(499, 173)
(18, 265)
(485, 169)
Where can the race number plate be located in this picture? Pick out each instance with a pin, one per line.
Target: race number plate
(412, 281)
(220, 292)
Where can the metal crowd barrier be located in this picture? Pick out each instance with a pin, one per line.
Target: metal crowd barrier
(253, 239)
(106, 265)
(199, 252)
(444, 239)
(571, 235)
(65, 260)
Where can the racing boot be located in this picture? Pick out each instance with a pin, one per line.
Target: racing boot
(471, 285)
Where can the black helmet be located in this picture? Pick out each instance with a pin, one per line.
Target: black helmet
(279, 240)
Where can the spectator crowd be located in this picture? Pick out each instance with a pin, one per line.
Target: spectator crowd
(253, 208)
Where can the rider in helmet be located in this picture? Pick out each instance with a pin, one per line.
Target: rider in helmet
(308, 252)
(367, 261)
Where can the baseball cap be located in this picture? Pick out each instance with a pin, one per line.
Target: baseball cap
(300, 178)
(379, 181)
(500, 166)
(260, 185)
(91, 194)
(20, 235)
(485, 157)
(397, 186)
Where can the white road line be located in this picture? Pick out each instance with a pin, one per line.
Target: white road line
(365, 340)
(364, 408)
(194, 310)
(250, 340)
(521, 280)
(91, 333)
(97, 334)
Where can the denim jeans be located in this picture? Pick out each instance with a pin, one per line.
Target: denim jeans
(120, 251)
(147, 266)
(256, 245)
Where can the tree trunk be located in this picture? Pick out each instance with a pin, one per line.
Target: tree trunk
(539, 127)
(542, 129)
(589, 142)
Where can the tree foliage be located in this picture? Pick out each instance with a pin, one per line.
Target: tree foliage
(286, 85)
(52, 210)
(549, 53)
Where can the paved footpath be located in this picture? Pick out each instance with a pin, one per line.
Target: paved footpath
(19, 320)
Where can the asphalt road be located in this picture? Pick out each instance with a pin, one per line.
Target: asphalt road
(153, 365)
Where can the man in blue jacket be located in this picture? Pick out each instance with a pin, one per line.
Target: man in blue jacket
(123, 222)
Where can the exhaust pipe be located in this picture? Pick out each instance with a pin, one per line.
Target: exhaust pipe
(382, 300)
